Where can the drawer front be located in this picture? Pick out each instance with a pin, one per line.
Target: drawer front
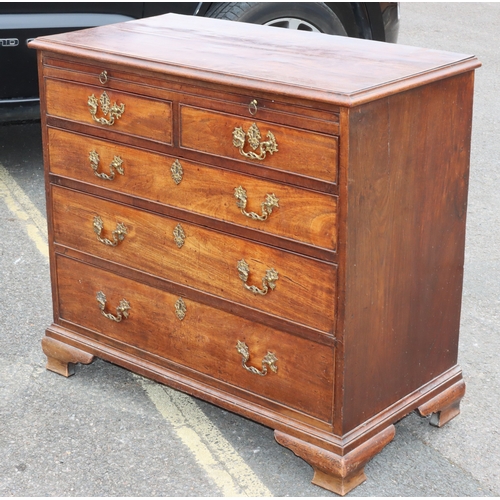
(269, 109)
(289, 149)
(140, 116)
(210, 261)
(205, 339)
(197, 188)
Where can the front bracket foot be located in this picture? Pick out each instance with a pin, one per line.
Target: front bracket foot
(61, 358)
(444, 406)
(333, 472)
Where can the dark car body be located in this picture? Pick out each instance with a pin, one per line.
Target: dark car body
(21, 22)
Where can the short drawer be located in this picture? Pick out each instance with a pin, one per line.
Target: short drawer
(201, 339)
(261, 143)
(110, 110)
(198, 188)
(292, 287)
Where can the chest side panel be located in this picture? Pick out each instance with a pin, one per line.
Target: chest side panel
(407, 196)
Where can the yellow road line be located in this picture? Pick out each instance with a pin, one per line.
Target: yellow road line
(214, 453)
(22, 207)
(20, 196)
(219, 459)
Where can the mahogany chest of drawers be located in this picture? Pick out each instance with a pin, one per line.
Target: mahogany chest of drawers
(273, 221)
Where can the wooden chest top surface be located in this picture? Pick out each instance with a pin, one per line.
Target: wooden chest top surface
(335, 69)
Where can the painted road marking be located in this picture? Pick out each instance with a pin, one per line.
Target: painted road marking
(219, 459)
(214, 453)
(22, 207)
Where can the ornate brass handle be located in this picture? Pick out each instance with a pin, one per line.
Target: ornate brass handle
(269, 360)
(114, 111)
(267, 206)
(118, 234)
(115, 165)
(121, 311)
(268, 281)
(254, 139)
(103, 77)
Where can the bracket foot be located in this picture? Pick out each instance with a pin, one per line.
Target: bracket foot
(445, 405)
(333, 472)
(61, 358)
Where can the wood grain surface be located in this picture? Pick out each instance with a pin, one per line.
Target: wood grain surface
(205, 340)
(407, 196)
(207, 261)
(143, 117)
(299, 151)
(302, 215)
(345, 71)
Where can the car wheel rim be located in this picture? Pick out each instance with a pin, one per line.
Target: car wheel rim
(292, 23)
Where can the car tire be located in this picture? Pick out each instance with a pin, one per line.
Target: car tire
(312, 16)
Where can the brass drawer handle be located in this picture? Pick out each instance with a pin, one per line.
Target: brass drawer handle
(268, 281)
(115, 165)
(254, 139)
(121, 311)
(269, 360)
(118, 234)
(267, 206)
(114, 111)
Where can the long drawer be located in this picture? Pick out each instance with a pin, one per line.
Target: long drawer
(278, 367)
(199, 188)
(110, 110)
(277, 282)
